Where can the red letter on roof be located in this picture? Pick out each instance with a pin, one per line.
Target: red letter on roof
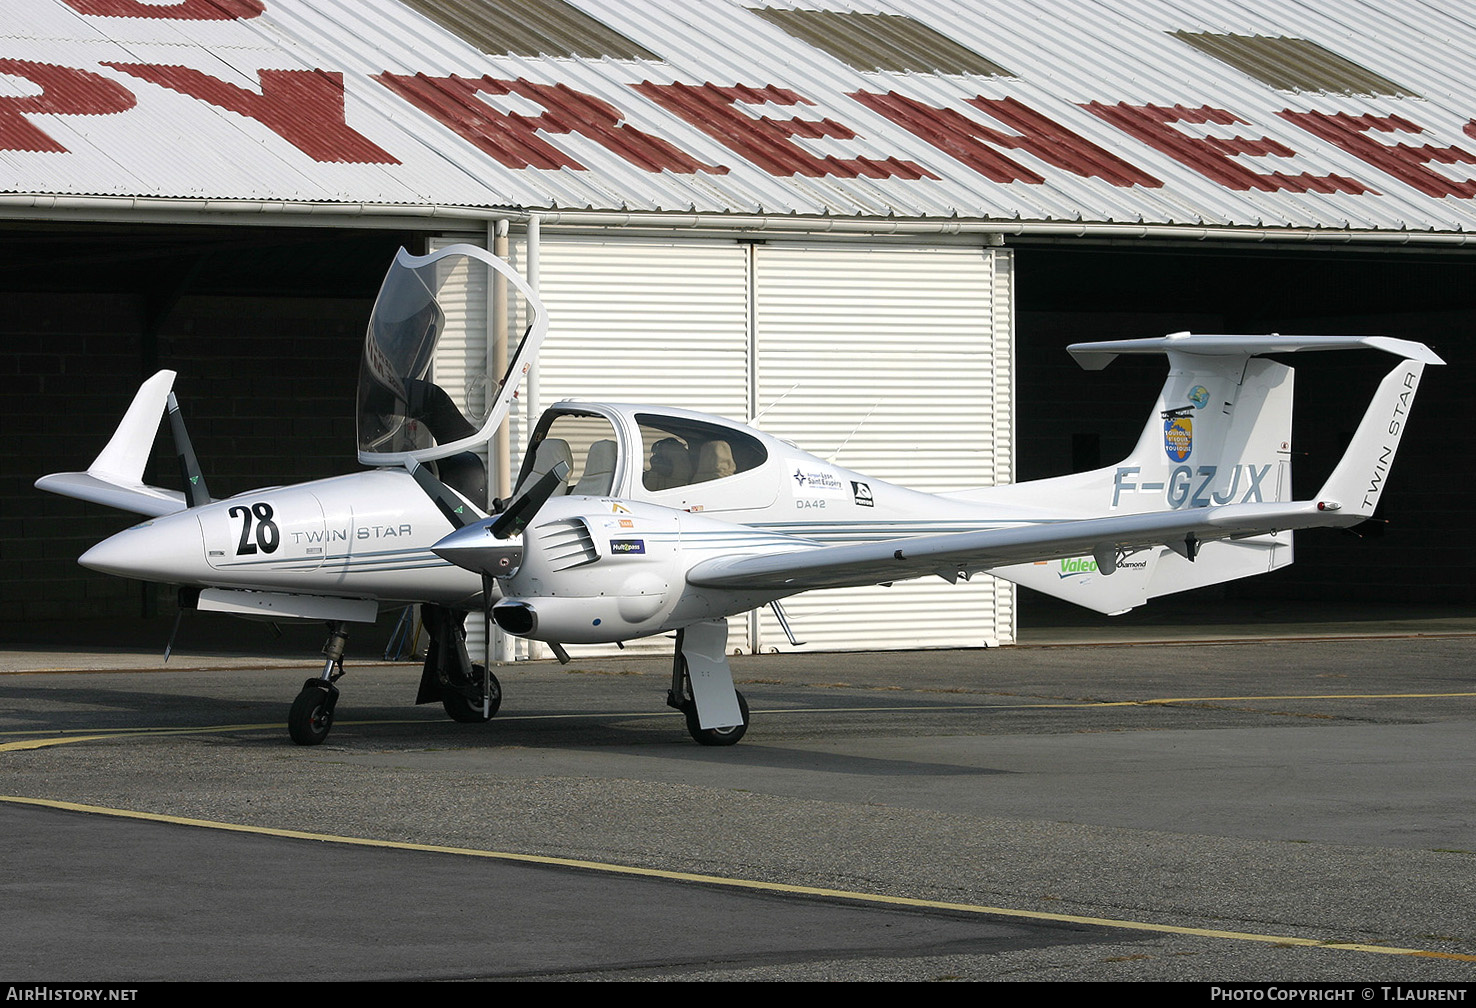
(64, 91)
(512, 138)
(1214, 157)
(768, 142)
(1404, 162)
(970, 142)
(303, 107)
(184, 10)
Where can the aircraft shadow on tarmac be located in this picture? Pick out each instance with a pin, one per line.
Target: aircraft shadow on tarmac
(658, 735)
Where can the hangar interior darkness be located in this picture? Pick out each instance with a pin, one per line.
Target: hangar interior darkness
(1417, 552)
(264, 327)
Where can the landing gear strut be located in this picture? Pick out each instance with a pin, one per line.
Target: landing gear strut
(717, 714)
(469, 692)
(311, 716)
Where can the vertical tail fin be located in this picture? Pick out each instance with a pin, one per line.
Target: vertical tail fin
(1358, 482)
(128, 450)
(1220, 434)
(115, 477)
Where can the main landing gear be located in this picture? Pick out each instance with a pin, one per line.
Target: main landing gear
(701, 682)
(702, 686)
(469, 692)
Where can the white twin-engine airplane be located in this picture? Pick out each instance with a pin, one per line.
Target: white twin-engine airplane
(630, 521)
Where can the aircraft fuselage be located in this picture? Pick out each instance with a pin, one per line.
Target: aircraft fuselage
(364, 535)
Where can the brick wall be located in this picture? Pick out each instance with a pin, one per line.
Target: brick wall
(267, 389)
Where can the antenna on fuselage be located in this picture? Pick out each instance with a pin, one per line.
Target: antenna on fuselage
(835, 455)
(753, 420)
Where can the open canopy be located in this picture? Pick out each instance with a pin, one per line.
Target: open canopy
(425, 391)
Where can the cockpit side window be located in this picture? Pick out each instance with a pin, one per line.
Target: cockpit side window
(586, 442)
(680, 452)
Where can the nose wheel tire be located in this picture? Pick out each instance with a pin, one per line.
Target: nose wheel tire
(311, 716)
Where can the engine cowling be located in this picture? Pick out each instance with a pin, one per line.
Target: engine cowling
(594, 571)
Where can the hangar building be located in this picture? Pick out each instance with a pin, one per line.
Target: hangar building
(873, 225)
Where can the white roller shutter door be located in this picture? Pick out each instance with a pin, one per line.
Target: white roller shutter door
(897, 362)
(661, 322)
(655, 322)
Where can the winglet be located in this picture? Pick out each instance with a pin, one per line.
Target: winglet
(1358, 481)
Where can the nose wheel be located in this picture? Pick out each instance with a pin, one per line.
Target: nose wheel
(312, 712)
(311, 716)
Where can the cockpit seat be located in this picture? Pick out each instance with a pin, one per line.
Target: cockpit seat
(714, 461)
(599, 470)
(550, 452)
(671, 465)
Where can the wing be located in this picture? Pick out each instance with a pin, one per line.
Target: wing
(966, 552)
(1348, 497)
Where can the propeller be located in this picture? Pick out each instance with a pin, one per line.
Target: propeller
(195, 491)
(525, 506)
(446, 501)
(481, 545)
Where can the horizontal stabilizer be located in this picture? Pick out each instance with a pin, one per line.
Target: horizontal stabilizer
(138, 499)
(1096, 356)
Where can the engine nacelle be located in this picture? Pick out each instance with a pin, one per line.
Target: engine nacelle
(594, 571)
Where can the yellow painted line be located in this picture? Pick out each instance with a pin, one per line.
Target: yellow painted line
(1307, 696)
(1093, 704)
(740, 883)
(120, 733)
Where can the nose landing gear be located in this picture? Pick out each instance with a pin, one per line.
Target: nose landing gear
(311, 716)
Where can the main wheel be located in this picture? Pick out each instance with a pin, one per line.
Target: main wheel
(715, 736)
(311, 716)
(460, 707)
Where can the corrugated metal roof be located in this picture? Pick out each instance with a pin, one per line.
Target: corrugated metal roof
(880, 42)
(1293, 64)
(1341, 114)
(530, 28)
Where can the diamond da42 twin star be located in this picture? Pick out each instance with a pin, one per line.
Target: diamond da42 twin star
(629, 521)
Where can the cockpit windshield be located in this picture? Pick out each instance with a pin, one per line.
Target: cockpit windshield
(424, 385)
